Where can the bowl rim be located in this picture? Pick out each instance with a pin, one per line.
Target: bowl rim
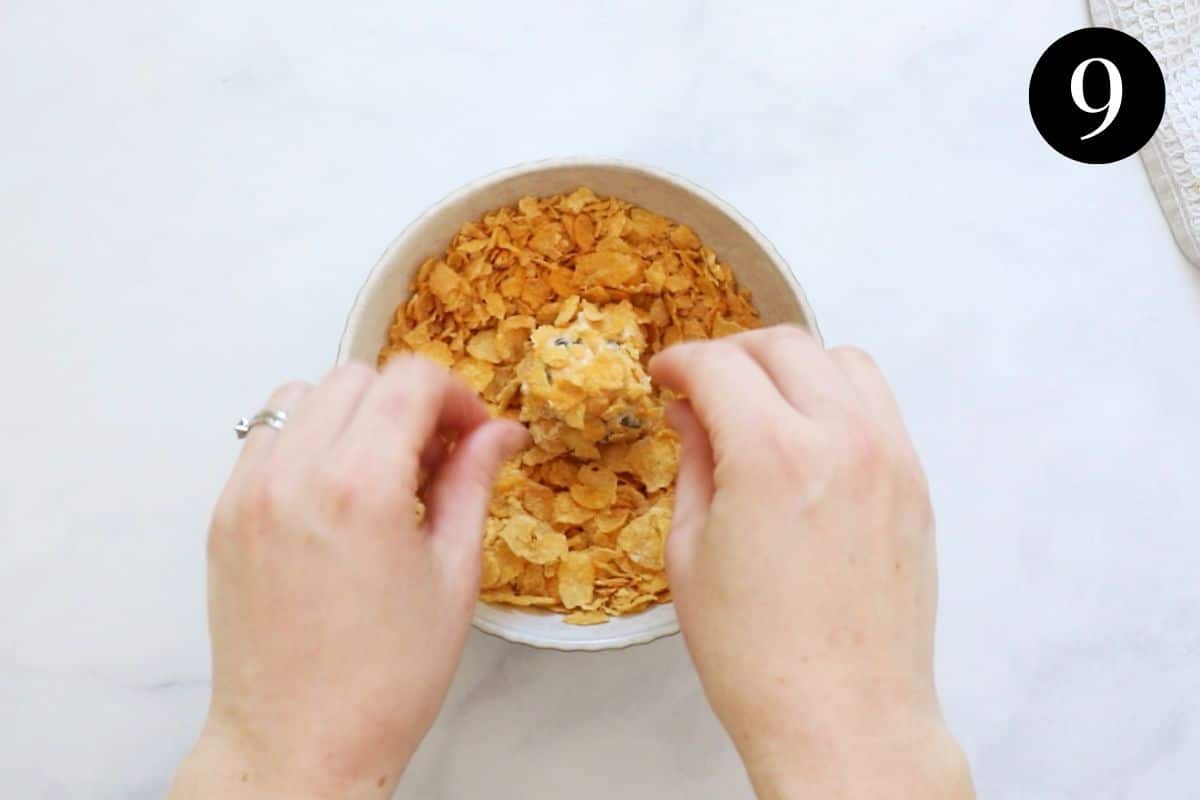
(665, 628)
(351, 327)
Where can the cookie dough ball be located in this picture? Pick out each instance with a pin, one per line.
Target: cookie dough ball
(584, 383)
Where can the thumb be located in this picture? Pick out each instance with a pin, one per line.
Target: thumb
(459, 493)
(693, 490)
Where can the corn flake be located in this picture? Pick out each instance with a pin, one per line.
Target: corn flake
(596, 487)
(532, 539)
(576, 579)
(643, 538)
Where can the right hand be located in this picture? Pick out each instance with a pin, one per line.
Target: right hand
(802, 566)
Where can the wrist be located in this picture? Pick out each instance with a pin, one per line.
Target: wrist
(900, 756)
(224, 764)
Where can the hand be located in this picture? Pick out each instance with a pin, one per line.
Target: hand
(338, 619)
(802, 565)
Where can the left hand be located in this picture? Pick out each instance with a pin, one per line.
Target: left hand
(338, 619)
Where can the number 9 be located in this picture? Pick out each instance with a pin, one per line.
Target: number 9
(1116, 91)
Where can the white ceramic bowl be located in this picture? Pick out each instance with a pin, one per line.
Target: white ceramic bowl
(754, 261)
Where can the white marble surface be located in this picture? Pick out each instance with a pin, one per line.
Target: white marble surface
(191, 193)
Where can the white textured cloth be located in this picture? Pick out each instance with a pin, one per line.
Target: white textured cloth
(1171, 30)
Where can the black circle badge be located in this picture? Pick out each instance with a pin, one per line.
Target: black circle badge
(1097, 95)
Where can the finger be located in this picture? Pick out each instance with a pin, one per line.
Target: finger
(871, 388)
(727, 389)
(262, 438)
(324, 413)
(410, 404)
(459, 492)
(800, 368)
(693, 489)
(433, 453)
(258, 445)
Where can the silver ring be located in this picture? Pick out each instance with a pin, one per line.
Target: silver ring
(270, 417)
